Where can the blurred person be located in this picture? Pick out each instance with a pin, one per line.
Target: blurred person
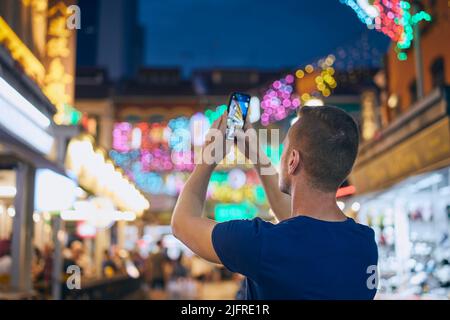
(156, 263)
(241, 292)
(179, 270)
(41, 268)
(48, 265)
(118, 260)
(37, 264)
(5, 262)
(314, 251)
(72, 256)
(138, 260)
(109, 268)
(84, 260)
(5, 246)
(200, 269)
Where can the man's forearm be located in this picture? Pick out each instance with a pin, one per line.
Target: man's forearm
(192, 198)
(188, 225)
(279, 202)
(194, 192)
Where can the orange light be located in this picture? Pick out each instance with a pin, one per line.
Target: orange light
(345, 191)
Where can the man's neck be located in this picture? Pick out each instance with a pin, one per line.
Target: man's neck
(307, 201)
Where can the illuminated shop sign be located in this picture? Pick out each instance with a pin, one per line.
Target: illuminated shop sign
(96, 173)
(56, 77)
(23, 119)
(59, 83)
(20, 52)
(53, 192)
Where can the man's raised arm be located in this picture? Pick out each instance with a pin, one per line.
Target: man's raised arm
(188, 225)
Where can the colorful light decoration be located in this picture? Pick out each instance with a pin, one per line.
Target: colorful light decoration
(324, 80)
(391, 17)
(236, 178)
(226, 212)
(158, 157)
(199, 126)
(147, 151)
(213, 115)
(236, 186)
(279, 100)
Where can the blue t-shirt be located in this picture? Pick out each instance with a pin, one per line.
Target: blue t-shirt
(299, 258)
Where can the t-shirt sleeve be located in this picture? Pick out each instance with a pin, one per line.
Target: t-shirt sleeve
(238, 245)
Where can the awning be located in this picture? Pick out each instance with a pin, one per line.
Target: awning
(417, 142)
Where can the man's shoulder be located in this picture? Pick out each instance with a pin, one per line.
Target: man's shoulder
(255, 223)
(365, 229)
(250, 226)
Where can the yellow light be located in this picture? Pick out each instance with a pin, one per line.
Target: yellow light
(20, 52)
(330, 70)
(314, 102)
(328, 78)
(299, 74)
(326, 92)
(309, 68)
(393, 101)
(96, 172)
(321, 86)
(305, 96)
(330, 59)
(319, 80)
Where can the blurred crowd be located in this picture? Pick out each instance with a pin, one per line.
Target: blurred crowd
(163, 275)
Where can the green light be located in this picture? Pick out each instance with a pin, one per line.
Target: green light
(213, 115)
(405, 5)
(273, 155)
(219, 177)
(402, 56)
(260, 195)
(71, 115)
(227, 212)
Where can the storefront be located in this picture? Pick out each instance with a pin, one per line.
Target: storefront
(106, 203)
(37, 114)
(30, 145)
(402, 182)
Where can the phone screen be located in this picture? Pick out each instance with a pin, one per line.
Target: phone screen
(237, 113)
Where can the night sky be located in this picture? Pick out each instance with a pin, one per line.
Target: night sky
(248, 33)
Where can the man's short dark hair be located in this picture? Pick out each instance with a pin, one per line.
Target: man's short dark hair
(328, 139)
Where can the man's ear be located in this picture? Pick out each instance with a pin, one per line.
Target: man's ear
(295, 162)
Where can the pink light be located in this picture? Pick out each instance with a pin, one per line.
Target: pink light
(277, 84)
(286, 103)
(121, 136)
(289, 78)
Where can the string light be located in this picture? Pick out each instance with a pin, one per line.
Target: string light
(279, 100)
(323, 75)
(391, 17)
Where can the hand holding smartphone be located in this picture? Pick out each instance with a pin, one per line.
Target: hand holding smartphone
(238, 107)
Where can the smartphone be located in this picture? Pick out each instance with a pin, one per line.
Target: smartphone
(237, 113)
